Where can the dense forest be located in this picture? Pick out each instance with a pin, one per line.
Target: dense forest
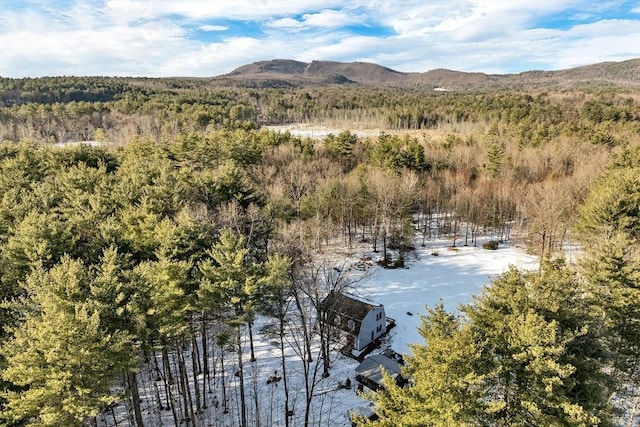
(181, 219)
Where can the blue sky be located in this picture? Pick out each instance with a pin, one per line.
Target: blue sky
(211, 37)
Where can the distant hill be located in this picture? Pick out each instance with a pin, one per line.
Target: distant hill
(290, 73)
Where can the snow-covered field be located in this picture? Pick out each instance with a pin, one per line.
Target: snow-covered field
(452, 276)
(316, 132)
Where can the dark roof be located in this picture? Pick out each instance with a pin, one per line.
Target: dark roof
(370, 368)
(348, 305)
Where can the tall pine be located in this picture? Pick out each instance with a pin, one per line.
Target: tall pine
(61, 358)
(443, 389)
(528, 353)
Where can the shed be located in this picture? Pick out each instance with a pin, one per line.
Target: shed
(369, 372)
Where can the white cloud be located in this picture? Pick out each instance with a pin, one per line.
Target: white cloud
(330, 19)
(350, 48)
(284, 23)
(140, 37)
(213, 28)
(215, 58)
(237, 9)
(325, 19)
(90, 47)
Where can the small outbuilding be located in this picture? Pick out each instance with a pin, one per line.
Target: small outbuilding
(364, 321)
(369, 372)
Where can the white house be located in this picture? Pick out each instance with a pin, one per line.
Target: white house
(364, 321)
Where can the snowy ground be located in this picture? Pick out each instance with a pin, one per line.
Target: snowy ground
(452, 276)
(316, 132)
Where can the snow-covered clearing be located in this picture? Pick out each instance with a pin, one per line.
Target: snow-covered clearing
(453, 276)
(317, 132)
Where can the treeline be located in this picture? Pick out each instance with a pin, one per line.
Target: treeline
(157, 113)
(51, 90)
(139, 255)
(159, 256)
(71, 108)
(487, 160)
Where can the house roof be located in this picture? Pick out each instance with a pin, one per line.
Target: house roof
(346, 311)
(348, 305)
(370, 368)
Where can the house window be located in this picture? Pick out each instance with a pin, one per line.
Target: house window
(379, 316)
(379, 328)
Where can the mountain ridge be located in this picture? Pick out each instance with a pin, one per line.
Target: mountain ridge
(292, 73)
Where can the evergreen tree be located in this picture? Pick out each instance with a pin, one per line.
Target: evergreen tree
(341, 147)
(542, 349)
(39, 239)
(496, 149)
(609, 227)
(164, 283)
(61, 357)
(443, 390)
(529, 353)
(232, 275)
(114, 290)
(611, 269)
(614, 201)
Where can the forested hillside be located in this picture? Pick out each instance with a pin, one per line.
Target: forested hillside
(185, 219)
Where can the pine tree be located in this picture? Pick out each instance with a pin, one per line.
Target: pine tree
(611, 269)
(121, 311)
(608, 226)
(542, 350)
(528, 353)
(443, 390)
(169, 305)
(613, 202)
(495, 156)
(341, 147)
(496, 149)
(168, 308)
(62, 358)
(232, 275)
(39, 239)
(113, 289)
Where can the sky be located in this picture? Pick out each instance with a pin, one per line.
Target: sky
(202, 38)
